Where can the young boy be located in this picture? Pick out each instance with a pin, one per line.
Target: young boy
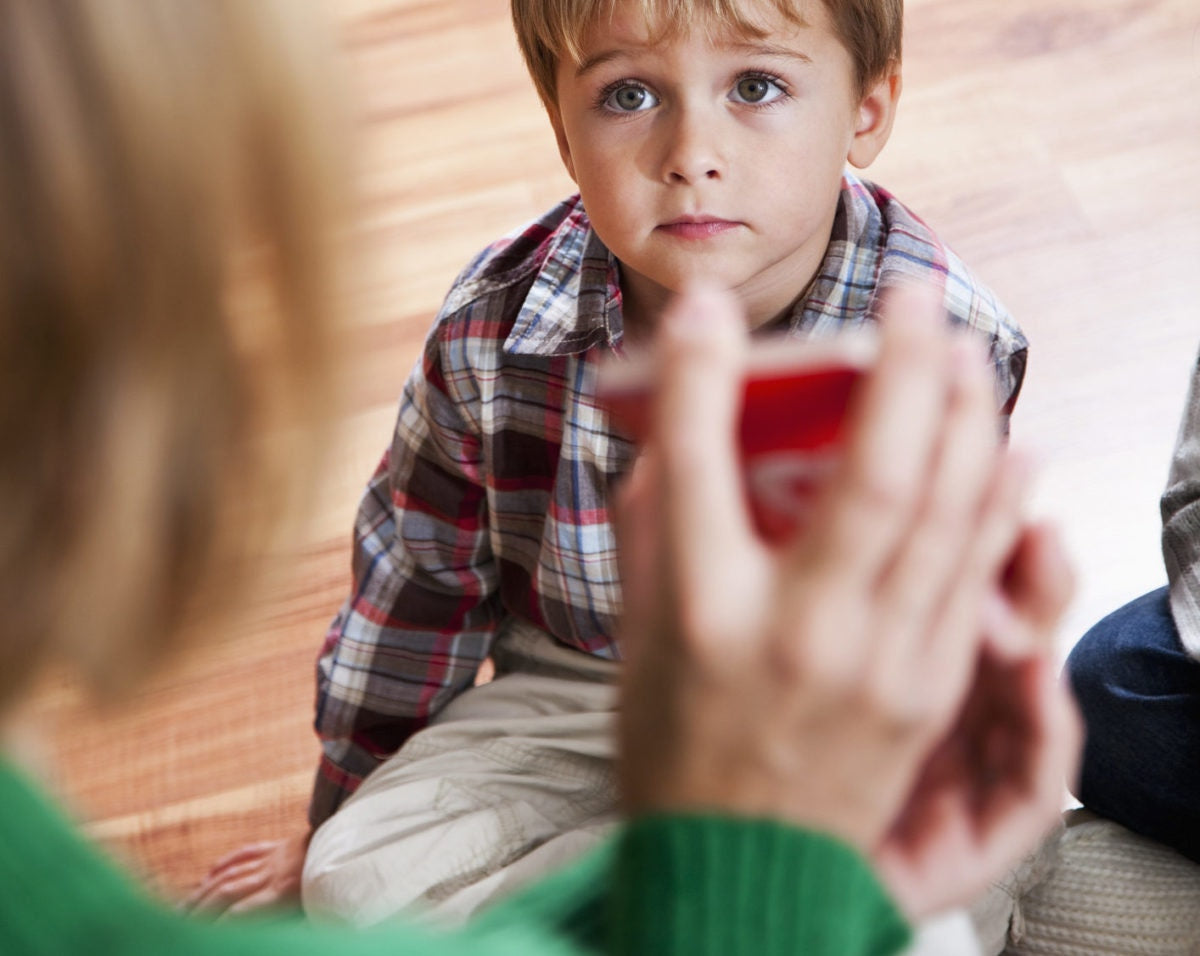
(709, 140)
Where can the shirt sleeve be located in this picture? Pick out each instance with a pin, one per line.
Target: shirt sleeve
(423, 605)
(1180, 506)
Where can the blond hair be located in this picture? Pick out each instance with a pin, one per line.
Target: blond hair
(166, 187)
(549, 30)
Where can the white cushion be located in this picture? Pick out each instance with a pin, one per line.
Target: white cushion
(1104, 890)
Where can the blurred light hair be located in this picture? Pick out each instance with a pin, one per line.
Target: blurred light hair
(550, 30)
(168, 186)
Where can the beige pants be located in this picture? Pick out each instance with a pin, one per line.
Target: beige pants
(513, 779)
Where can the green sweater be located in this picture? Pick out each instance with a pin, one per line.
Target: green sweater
(695, 885)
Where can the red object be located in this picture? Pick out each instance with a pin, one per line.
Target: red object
(790, 429)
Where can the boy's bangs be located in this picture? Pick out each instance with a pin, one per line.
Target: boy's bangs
(666, 19)
(551, 32)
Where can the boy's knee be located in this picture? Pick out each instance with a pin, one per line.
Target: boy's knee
(322, 890)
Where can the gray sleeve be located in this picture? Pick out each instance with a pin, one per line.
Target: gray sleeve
(1180, 507)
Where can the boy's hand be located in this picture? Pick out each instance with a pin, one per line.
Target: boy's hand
(257, 876)
(813, 682)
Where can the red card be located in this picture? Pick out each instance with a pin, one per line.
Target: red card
(794, 403)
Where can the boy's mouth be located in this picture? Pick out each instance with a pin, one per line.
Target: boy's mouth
(697, 227)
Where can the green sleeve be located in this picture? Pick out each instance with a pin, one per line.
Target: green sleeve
(720, 886)
(708, 884)
(694, 885)
(59, 896)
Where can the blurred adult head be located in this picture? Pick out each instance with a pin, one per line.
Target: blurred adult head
(167, 188)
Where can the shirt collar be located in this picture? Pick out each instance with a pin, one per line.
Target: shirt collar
(874, 242)
(574, 303)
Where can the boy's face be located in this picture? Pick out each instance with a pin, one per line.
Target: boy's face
(716, 156)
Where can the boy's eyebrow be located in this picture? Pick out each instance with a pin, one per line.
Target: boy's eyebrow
(771, 49)
(761, 49)
(598, 59)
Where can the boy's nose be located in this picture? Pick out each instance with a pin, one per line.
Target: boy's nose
(691, 173)
(693, 152)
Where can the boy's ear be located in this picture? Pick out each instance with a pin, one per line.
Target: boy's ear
(560, 135)
(876, 113)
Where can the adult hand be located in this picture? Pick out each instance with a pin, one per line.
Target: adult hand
(254, 877)
(994, 785)
(810, 682)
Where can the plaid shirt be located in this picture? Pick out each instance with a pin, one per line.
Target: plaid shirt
(493, 498)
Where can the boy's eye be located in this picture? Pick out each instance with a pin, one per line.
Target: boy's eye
(757, 89)
(629, 98)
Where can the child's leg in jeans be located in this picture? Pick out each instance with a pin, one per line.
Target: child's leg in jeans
(1140, 697)
(514, 779)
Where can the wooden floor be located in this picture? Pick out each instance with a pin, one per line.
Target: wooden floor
(1055, 145)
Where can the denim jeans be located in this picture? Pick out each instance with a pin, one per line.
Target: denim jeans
(1140, 697)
